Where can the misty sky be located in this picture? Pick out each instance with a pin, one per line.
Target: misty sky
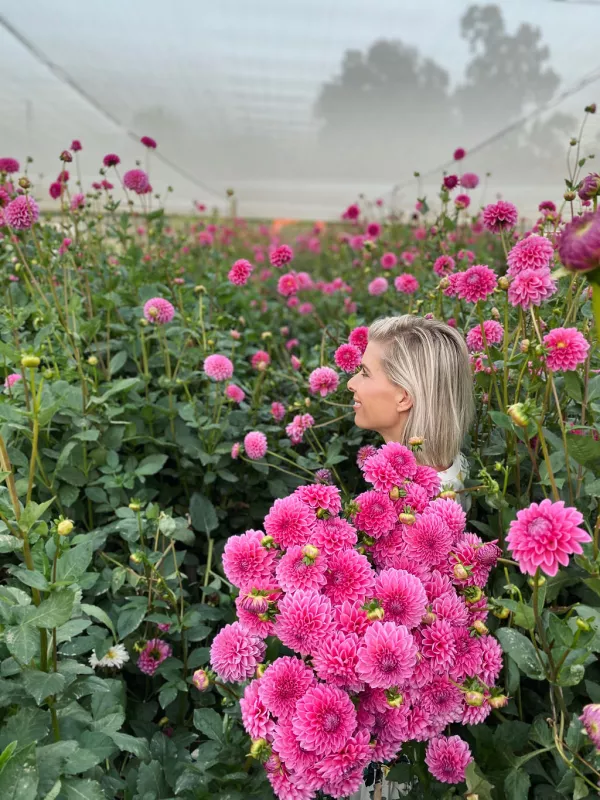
(252, 65)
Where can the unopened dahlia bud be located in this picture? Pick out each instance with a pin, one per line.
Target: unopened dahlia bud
(200, 289)
(267, 541)
(429, 618)
(518, 414)
(416, 442)
(495, 313)
(65, 527)
(322, 513)
(499, 701)
(30, 361)
(480, 627)
(266, 335)
(569, 195)
(260, 670)
(394, 698)
(135, 505)
(92, 361)
(473, 594)
(460, 573)
(260, 750)
(501, 613)
(407, 519)
(24, 182)
(573, 141)
(310, 552)
(394, 493)
(539, 579)
(474, 699)
(503, 283)
(66, 157)
(448, 494)
(583, 625)
(591, 109)
(524, 346)
(201, 680)
(137, 557)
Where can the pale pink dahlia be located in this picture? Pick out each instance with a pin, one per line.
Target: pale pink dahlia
(402, 596)
(364, 453)
(387, 655)
(335, 660)
(347, 357)
(494, 334)
(491, 660)
(531, 287)
(349, 577)
(255, 717)
(287, 746)
(260, 360)
(235, 450)
(565, 349)
(317, 496)
(406, 283)
(500, 216)
(159, 311)
(438, 645)
(304, 621)
(444, 265)
(240, 272)
(22, 212)
(476, 283)
(448, 758)
(246, 563)
(284, 682)
(278, 411)
(428, 478)
(281, 255)
(234, 393)
(533, 252)
(324, 720)
(591, 722)
(428, 540)
(220, 368)
(545, 535)
(290, 521)
(12, 379)
(288, 284)
(296, 571)
(136, 180)
(323, 381)
(235, 653)
(359, 337)
(255, 444)
(469, 180)
(377, 286)
(152, 656)
(377, 515)
(333, 535)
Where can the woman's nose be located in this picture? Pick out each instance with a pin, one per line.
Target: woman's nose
(349, 385)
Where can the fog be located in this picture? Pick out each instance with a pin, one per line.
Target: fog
(302, 106)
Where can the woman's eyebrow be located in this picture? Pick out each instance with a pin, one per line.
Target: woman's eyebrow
(364, 366)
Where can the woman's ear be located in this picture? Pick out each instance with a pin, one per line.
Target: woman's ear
(404, 401)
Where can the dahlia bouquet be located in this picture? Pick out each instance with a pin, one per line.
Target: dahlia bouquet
(381, 608)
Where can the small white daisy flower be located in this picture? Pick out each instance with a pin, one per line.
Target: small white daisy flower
(115, 657)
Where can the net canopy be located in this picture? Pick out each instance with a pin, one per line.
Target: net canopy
(303, 106)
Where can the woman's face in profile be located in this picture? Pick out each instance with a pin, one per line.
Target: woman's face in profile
(378, 403)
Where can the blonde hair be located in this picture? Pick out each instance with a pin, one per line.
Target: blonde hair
(430, 360)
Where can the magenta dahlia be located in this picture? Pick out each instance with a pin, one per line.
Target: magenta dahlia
(544, 535)
(240, 272)
(255, 444)
(335, 660)
(152, 656)
(500, 216)
(349, 577)
(387, 655)
(287, 746)
(476, 283)
(9, 165)
(234, 653)
(428, 479)
(377, 514)
(377, 286)
(136, 180)
(234, 393)
(359, 337)
(591, 722)
(448, 758)
(317, 496)
(491, 660)
(406, 283)
(388, 260)
(22, 212)
(469, 180)
(494, 334)
(304, 621)
(438, 645)
(348, 357)
(579, 243)
(323, 381)
(428, 540)
(297, 570)
(148, 142)
(255, 716)
(324, 720)
(281, 255)
(218, 367)
(532, 252)
(565, 349)
(290, 522)
(333, 535)
(531, 287)
(444, 265)
(402, 597)
(246, 562)
(284, 682)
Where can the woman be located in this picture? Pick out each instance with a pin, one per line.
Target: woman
(415, 380)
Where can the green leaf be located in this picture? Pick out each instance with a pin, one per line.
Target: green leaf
(81, 789)
(129, 620)
(501, 419)
(585, 450)
(72, 564)
(26, 726)
(68, 494)
(41, 685)
(571, 675)
(581, 789)
(209, 722)
(139, 747)
(516, 785)
(521, 650)
(8, 543)
(7, 753)
(522, 613)
(540, 732)
(53, 612)
(120, 386)
(166, 695)
(23, 642)
(100, 615)
(573, 385)
(150, 782)
(31, 514)
(31, 578)
(19, 779)
(54, 791)
(151, 464)
(203, 514)
(117, 362)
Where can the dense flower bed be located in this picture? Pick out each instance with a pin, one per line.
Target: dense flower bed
(171, 385)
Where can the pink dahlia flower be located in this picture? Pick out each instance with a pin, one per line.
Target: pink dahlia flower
(352, 757)
(290, 522)
(351, 618)
(218, 367)
(22, 212)
(428, 540)
(388, 260)
(377, 515)
(159, 311)
(297, 571)
(317, 496)
(406, 283)
(284, 682)
(304, 621)
(246, 562)
(136, 180)
(467, 659)
(148, 142)
(235, 450)
(469, 180)
(240, 272)
(278, 411)
(491, 660)
(400, 458)
(402, 596)
(459, 153)
(234, 653)
(387, 655)
(288, 284)
(462, 201)
(349, 577)
(359, 337)
(591, 722)
(77, 202)
(428, 479)
(323, 381)
(448, 758)
(9, 165)
(444, 265)
(451, 512)
(348, 357)
(364, 453)
(287, 747)
(450, 182)
(377, 286)
(533, 252)
(234, 393)
(565, 349)
(579, 243)
(500, 216)
(255, 444)
(324, 720)
(545, 535)
(153, 655)
(438, 646)
(333, 535)
(12, 379)
(442, 699)
(260, 359)
(281, 255)
(255, 717)
(476, 283)
(373, 229)
(530, 288)
(494, 334)
(451, 608)
(378, 471)
(335, 660)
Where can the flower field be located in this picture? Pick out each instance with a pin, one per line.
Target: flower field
(214, 585)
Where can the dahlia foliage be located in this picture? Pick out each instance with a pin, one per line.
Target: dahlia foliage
(381, 606)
